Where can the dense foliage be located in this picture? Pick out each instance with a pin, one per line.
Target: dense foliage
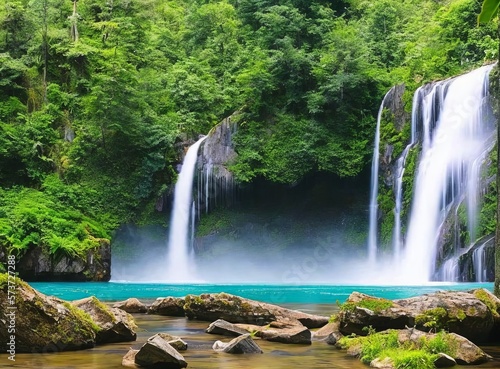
(94, 95)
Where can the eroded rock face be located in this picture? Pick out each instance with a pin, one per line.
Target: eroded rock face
(38, 265)
(243, 344)
(168, 306)
(43, 323)
(115, 325)
(235, 309)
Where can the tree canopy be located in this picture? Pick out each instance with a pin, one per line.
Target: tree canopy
(94, 95)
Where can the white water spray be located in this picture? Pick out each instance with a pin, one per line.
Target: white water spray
(454, 137)
(372, 233)
(180, 264)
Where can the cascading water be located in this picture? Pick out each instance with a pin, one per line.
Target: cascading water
(372, 233)
(453, 138)
(180, 266)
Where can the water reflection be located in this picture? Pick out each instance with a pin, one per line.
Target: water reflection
(200, 354)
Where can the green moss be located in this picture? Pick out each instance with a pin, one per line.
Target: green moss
(374, 304)
(435, 319)
(407, 355)
(415, 359)
(333, 318)
(104, 308)
(488, 300)
(82, 316)
(3, 280)
(460, 315)
(441, 342)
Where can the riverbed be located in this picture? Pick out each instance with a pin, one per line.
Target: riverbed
(319, 299)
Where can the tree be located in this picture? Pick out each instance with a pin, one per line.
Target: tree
(488, 12)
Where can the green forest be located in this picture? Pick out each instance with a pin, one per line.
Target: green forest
(96, 95)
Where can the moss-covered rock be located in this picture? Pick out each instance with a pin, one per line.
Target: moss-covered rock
(168, 306)
(454, 311)
(115, 325)
(468, 314)
(38, 264)
(361, 311)
(40, 323)
(235, 309)
(412, 348)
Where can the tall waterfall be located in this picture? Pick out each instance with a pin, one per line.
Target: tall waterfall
(454, 138)
(372, 233)
(179, 263)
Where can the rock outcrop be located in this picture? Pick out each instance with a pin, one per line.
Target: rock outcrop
(330, 333)
(361, 311)
(296, 334)
(176, 342)
(243, 344)
(131, 305)
(157, 352)
(224, 328)
(115, 325)
(466, 352)
(38, 265)
(41, 323)
(168, 306)
(235, 309)
(459, 312)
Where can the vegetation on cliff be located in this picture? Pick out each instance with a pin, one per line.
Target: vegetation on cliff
(94, 96)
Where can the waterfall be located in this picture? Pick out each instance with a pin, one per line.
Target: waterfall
(372, 234)
(179, 262)
(479, 260)
(453, 137)
(400, 171)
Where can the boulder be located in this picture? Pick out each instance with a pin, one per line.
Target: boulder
(294, 335)
(297, 334)
(176, 342)
(131, 306)
(465, 351)
(327, 330)
(444, 361)
(41, 323)
(157, 352)
(361, 311)
(493, 303)
(224, 328)
(235, 309)
(115, 325)
(455, 311)
(168, 306)
(333, 338)
(243, 344)
(129, 359)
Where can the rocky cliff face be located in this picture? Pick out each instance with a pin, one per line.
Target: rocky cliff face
(216, 184)
(38, 265)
